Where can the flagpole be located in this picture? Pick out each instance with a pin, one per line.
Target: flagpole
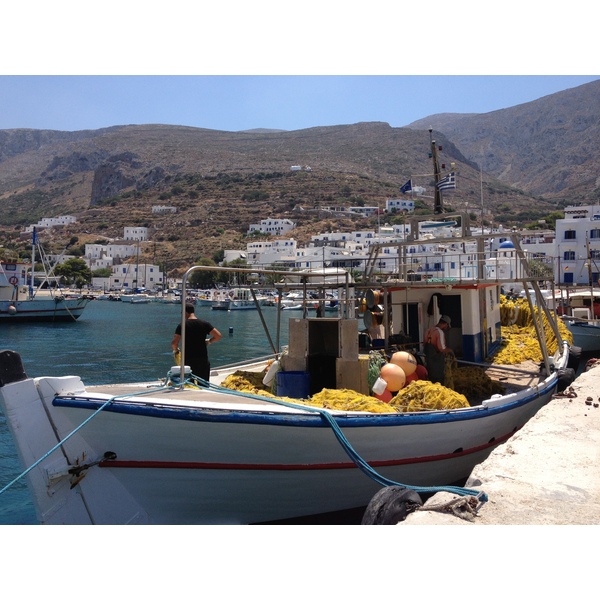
(481, 193)
(437, 205)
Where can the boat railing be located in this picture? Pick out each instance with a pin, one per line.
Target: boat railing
(289, 280)
(456, 267)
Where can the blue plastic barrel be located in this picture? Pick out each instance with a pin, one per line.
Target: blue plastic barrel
(293, 384)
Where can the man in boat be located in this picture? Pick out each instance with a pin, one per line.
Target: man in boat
(196, 342)
(435, 349)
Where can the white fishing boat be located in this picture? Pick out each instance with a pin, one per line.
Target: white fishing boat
(312, 433)
(21, 301)
(242, 300)
(164, 452)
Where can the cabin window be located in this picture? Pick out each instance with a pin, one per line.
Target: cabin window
(570, 234)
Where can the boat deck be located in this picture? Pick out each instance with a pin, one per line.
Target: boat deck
(177, 396)
(516, 377)
(513, 378)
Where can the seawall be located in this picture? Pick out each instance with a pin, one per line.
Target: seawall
(548, 473)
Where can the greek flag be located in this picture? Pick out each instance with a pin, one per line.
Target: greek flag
(407, 187)
(34, 239)
(448, 182)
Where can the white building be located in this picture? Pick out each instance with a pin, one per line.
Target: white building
(131, 276)
(399, 205)
(163, 210)
(265, 253)
(48, 222)
(116, 250)
(364, 211)
(577, 246)
(135, 234)
(272, 226)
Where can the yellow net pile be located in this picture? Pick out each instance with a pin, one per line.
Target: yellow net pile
(475, 383)
(423, 395)
(519, 333)
(248, 382)
(417, 396)
(349, 400)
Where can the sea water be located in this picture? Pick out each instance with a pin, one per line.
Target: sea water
(118, 342)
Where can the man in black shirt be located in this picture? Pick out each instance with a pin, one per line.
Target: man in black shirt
(196, 342)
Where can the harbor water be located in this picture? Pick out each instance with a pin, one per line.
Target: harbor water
(118, 342)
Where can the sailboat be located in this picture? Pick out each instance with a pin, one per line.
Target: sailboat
(21, 301)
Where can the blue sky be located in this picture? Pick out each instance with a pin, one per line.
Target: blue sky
(241, 65)
(234, 103)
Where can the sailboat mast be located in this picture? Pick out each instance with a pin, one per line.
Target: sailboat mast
(31, 279)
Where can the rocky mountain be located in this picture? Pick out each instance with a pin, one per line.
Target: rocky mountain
(533, 156)
(549, 147)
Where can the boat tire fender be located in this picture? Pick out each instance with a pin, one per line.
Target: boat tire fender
(574, 357)
(391, 505)
(565, 378)
(11, 368)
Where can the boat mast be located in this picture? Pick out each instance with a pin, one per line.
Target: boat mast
(437, 204)
(34, 241)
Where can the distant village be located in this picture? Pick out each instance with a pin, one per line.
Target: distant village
(574, 247)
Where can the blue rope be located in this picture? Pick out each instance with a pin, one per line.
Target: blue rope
(355, 457)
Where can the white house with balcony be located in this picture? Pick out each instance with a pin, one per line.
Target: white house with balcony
(577, 246)
(399, 205)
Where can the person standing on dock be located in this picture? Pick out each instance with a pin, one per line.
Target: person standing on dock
(435, 350)
(196, 342)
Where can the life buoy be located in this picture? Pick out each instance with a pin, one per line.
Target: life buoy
(13, 280)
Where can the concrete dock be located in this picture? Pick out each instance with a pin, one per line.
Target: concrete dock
(548, 473)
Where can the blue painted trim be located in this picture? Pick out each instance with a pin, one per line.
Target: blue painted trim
(211, 415)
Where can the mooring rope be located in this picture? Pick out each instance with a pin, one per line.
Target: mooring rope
(85, 422)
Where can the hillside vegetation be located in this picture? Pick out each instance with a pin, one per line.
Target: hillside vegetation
(534, 159)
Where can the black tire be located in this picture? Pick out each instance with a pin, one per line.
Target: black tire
(11, 368)
(565, 378)
(391, 505)
(574, 358)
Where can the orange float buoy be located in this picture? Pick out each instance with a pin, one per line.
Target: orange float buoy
(422, 372)
(394, 376)
(405, 360)
(385, 396)
(411, 378)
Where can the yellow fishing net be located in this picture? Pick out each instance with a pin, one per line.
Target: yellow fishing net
(520, 341)
(423, 395)
(417, 396)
